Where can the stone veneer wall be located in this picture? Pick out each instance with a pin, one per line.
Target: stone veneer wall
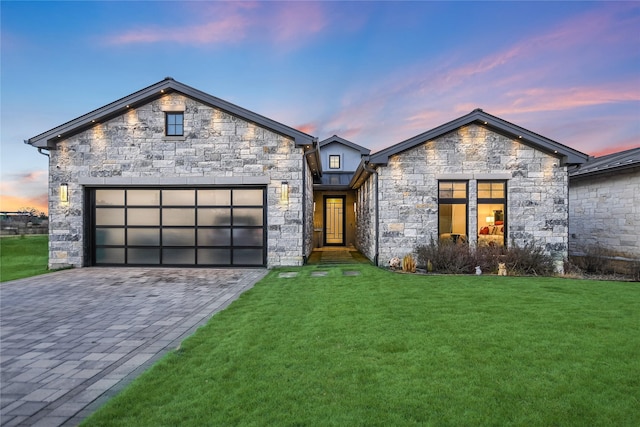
(604, 211)
(366, 217)
(217, 148)
(308, 212)
(536, 191)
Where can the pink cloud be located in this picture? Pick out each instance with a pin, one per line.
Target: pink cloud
(309, 128)
(230, 22)
(554, 99)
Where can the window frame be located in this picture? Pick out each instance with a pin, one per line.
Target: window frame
(493, 201)
(334, 157)
(167, 125)
(454, 201)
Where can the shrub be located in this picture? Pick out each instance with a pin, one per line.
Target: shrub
(487, 257)
(634, 270)
(596, 259)
(447, 257)
(459, 258)
(529, 259)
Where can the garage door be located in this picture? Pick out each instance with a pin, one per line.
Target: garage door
(178, 226)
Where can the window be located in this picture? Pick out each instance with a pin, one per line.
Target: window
(175, 124)
(452, 210)
(491, 213)
(334, 161)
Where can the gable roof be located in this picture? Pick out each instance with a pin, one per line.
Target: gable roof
(336, 139)
(48, 139)
(608, 164)
(496, 124)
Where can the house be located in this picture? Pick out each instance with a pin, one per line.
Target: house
(170, 175)
(477, 179)
(604, 205)
(334, 205)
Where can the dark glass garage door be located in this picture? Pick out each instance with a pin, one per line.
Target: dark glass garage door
(178, 227)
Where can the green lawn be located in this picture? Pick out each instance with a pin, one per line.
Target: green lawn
(23, 256)
(385, 349)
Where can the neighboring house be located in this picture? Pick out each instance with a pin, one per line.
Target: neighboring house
(333, 200)
(170, 175)
(604, 205)
(476, 179)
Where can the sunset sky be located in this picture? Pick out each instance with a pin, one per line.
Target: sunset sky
(375, 73)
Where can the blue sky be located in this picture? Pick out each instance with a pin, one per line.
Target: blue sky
(375, 73)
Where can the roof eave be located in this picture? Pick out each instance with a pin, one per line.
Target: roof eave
(496, 124)
(49, 138)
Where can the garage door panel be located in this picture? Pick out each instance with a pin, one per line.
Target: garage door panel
(247, 216)
(110, 197)
(143, 237)
(247, 197)
(178, 226)
(178, 237)
(179, 256)
(214, 216)
(143, 216)
(214, 237)
(110, 255)
(178, 197)
(143, 256)
(110, 236)
(216, 197)
(109, 216)
(143, 197)
(247, 237)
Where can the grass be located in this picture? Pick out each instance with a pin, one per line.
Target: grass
(385, 349)
(23, 256)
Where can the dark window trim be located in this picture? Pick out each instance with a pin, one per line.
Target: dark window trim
(454, 201)
(166, 123)
(496, 200)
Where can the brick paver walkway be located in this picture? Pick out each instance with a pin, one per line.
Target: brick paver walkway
(70, 340)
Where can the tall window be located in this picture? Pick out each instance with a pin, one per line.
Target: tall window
(491, 213)
(334, 161)
(452, 210)
(175, 124)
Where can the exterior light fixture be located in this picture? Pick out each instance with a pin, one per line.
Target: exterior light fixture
(284, 191)
(355, 207)
(64, 193)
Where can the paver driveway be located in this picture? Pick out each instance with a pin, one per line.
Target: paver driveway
(70, 340)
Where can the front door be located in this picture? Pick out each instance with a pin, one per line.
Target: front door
(334, 220)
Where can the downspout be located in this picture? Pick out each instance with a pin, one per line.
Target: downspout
(377, 220)
(40, 151)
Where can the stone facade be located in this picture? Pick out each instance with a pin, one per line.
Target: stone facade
(537, 209)
(367, 217)
(217, 149)
(604, 211)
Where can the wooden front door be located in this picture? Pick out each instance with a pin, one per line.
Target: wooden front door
(334, 220)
